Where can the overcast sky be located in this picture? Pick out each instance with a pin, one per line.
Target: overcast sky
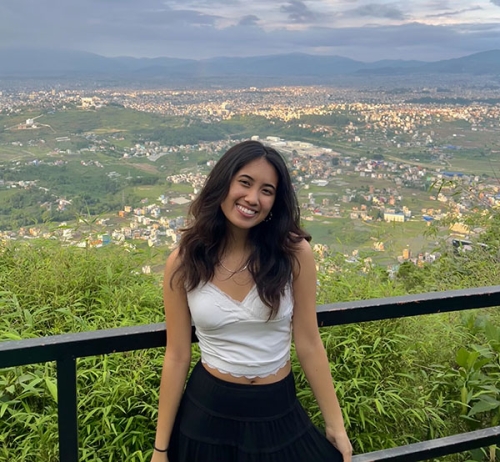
(366, 30)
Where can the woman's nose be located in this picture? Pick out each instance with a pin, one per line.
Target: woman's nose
(251, 196)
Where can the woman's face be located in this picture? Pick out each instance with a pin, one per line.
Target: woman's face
(251, 194)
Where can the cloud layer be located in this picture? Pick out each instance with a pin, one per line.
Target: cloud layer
(361, 29)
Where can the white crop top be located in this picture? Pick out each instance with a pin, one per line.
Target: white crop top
(236, 337)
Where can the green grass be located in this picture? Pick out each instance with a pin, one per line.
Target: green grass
(346, 235)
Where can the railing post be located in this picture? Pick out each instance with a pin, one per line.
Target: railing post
(67, 410)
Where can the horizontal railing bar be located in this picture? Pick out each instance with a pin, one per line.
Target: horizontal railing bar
(81, 344)
(408, 305)
(93, 343)
(434, 448)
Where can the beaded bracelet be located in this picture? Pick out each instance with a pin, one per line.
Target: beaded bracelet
(160, 450)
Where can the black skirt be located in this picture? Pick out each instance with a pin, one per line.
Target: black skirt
(219, 421)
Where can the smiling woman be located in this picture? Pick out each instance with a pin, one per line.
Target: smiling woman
(244, 273)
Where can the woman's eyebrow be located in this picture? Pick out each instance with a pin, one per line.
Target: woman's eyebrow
(269, 185)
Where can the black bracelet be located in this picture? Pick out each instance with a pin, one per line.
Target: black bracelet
(160, 450)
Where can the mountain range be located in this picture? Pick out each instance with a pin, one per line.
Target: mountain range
(34, 63)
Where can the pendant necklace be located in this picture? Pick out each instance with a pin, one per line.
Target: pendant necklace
(243, 268)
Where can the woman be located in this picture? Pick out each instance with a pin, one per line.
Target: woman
(244, 272)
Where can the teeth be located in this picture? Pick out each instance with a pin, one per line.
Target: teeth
(247, 211)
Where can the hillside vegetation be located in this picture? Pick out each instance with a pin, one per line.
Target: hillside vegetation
(399, 381)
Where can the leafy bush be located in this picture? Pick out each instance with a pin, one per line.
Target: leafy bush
(475, 377)
(399, 381)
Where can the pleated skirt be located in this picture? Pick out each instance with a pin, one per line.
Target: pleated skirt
(219, 421)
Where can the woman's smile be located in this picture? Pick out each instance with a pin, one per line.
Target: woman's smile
(246, 211)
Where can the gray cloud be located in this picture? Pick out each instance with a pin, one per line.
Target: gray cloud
(454, 13)
(376, 10)
(495, 2)
(155, 28)
(79, 12)
(76, 23)
(298, 11)
(249, 20)
(408, 41)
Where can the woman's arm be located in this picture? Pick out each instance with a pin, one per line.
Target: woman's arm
(311, 352)
(177, 356)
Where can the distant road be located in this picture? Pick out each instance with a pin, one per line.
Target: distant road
(412, 162)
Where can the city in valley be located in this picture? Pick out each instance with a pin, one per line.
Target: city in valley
(383, 173)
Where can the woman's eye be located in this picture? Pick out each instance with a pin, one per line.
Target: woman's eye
(244, 182)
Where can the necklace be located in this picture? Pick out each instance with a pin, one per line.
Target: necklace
(243, 268)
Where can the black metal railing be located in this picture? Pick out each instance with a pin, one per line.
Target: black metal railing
(65, 349)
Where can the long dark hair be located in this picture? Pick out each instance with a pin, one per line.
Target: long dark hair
(273, 242)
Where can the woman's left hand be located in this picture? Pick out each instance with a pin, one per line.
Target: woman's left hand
(341, 441)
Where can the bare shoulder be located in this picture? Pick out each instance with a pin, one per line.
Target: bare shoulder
(173, 259)
(172, 264)
(304, 258)
(304, 246)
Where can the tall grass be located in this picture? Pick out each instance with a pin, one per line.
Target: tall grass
(49, 290)
(399, 381)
